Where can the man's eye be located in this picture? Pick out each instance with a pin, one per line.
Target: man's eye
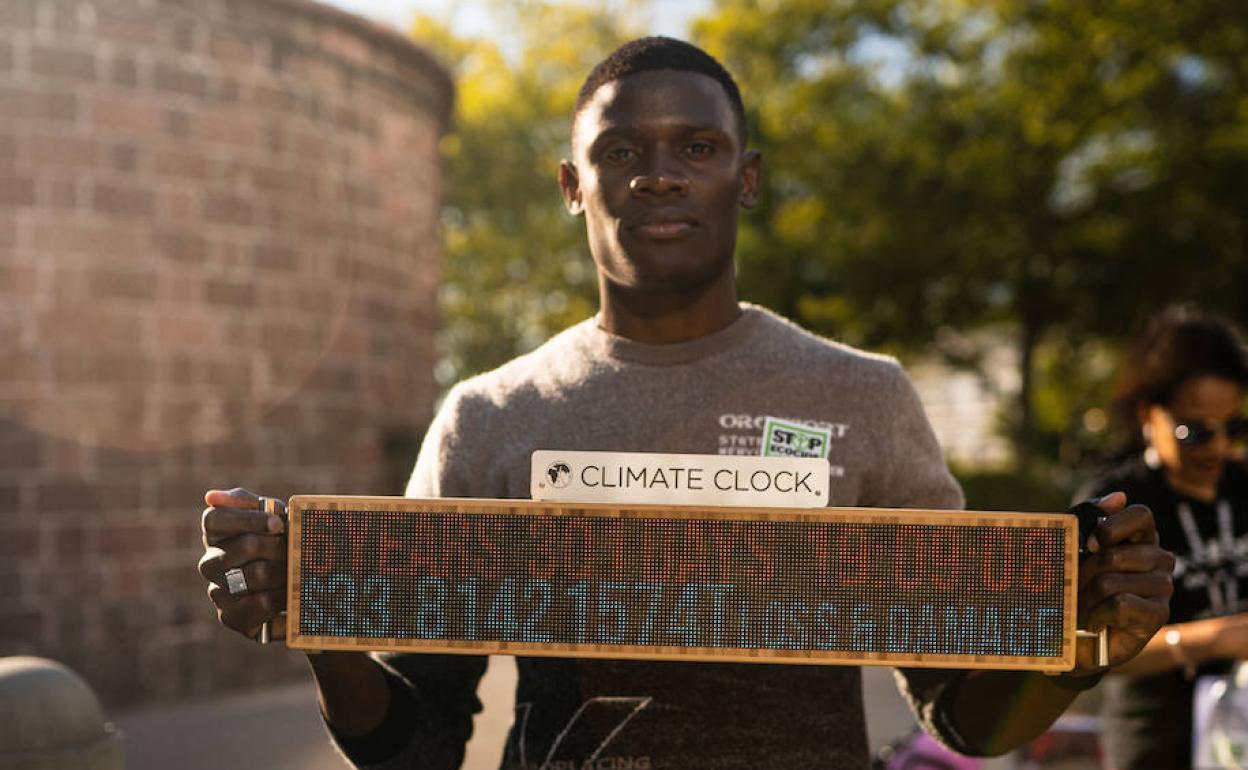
(619, 154)
(700, 148)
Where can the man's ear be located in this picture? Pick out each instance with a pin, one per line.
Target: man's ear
(751, 179)
(570, 184)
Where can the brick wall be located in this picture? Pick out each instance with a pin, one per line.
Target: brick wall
(218, 265)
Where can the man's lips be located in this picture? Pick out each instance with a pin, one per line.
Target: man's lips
(664, 230)
(665, 226)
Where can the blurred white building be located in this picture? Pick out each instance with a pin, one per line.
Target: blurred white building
(965, 406)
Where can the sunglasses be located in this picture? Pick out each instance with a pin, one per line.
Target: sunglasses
(1197, 434)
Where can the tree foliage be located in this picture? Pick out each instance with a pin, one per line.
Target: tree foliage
(516, 267)
(1058, 170)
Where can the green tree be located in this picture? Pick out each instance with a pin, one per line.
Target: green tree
(1061, 168)
(516, 267)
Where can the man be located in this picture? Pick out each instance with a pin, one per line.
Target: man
(659, 170)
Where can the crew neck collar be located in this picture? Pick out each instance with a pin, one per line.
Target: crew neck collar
(624, 349)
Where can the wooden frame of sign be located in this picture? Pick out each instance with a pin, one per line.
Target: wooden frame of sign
(852, 586)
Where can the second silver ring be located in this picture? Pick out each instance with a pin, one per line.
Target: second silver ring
(235, 581)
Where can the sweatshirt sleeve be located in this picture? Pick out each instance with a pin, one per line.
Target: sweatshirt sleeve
(433, 698)
(441, 467)
(432, 702)
(914, 474)
(930, 693)
(910, 468)
(459, 456)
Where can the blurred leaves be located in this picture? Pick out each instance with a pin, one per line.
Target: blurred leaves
(516, 267)
(1057, 170)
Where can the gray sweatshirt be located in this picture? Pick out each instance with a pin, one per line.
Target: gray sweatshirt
(586, 389)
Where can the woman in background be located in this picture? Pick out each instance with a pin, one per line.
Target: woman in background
(1182, 390)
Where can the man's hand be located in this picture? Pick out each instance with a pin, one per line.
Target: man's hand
(1125, 584)
(238, 535)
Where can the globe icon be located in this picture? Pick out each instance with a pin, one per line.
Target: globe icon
(559, 474)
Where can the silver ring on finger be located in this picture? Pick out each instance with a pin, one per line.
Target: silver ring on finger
(235, 581)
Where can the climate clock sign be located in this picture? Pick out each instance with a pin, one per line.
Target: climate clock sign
(682, 582)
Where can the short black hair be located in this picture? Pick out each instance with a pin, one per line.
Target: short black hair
(660, 53)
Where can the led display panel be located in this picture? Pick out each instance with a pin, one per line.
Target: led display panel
(830, 585)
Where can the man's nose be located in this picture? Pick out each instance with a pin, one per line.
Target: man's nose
(659, 181)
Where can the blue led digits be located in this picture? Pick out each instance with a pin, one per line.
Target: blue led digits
(757, 584)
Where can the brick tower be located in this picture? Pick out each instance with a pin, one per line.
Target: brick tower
(218, 266)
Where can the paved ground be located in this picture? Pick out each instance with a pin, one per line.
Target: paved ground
(279, 729)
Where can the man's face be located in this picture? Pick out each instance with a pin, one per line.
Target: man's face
(659, 173)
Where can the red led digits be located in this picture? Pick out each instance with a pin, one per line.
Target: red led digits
(735, 584)
(1040, 562)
